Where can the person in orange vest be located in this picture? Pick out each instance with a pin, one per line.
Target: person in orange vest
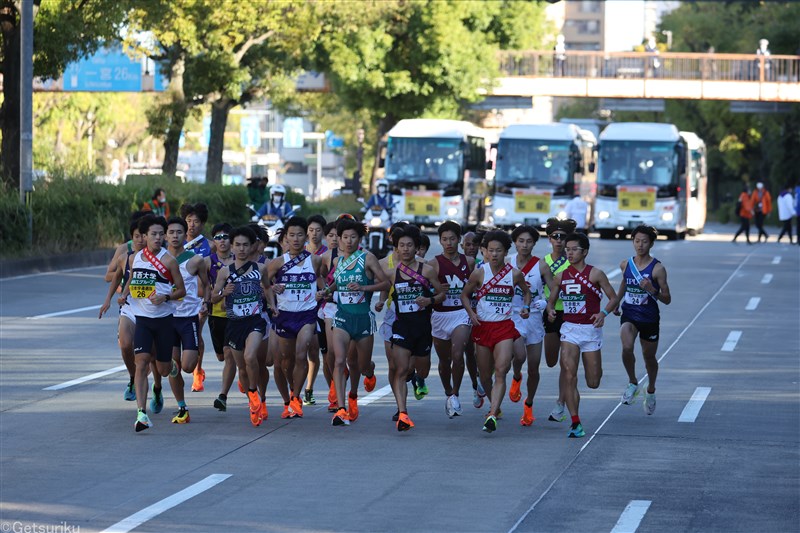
(745, 211)
(762, 205)
(158, 204)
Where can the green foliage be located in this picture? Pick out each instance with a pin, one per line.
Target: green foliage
(333, 207)
(77, 213)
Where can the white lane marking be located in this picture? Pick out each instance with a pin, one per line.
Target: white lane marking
(148, 513)
(766, 279)
(376, 395)
(67, 312)
(730, 342)
(614, 273)
(692, 408)
(776, 260)
(51, 273)
(84, 379)
(666, 352)
(632, 516)
(752, 304)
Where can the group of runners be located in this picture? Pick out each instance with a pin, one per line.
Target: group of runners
(489, 315)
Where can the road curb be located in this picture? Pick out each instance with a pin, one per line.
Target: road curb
(40, 264)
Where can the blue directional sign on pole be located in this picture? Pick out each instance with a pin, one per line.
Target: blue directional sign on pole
(110, 69)
(205, 138)
(332, 140)
(250, 132)
(293, 133)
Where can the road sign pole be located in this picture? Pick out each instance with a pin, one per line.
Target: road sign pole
(319, 166)
(247, 162)
(26, 110)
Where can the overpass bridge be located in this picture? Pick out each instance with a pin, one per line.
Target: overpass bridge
(736, 77)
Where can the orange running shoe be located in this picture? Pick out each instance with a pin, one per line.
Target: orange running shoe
(352, 408)
(332, 393)
(333, 407)
(527, 415)
(369, 383)
(296, 407)
(514, 394)
(199, 378)
(264, 412)
(404, 423)
(255, 408)
(286, 412)
(340, 418)
(241, 387)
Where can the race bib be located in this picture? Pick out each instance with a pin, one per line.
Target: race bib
(500, 305)
(245, 306)
(142, 288)
(407, 298)
(635, 298)
(350, 297)
(453, 297)
(574, 306)
(298, 292)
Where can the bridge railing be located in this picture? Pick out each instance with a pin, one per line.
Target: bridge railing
(638, 65)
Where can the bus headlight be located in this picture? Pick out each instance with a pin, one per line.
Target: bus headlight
(602, 215)
(452, 212)
(562, 215)
(500, 212)
(667, 217)
(375, 222)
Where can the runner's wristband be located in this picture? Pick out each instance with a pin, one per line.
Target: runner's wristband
(604, 312)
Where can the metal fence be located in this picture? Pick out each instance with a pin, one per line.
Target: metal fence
(639, 65)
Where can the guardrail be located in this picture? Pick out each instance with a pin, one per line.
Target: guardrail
(642, 65)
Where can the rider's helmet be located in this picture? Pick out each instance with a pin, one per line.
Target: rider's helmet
(277, 190)
(382, 186)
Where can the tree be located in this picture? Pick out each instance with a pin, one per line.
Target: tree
(64, 31)
(402, 59)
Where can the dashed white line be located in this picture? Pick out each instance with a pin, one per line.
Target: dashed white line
(84, 379)
(632, 516)
(376, 395)
(148, 513)
(692, 408)
(766, 279)
(776, 260)
(614, 273)
(730, 342)
(752, 304)
(67, 312)
(51, 273)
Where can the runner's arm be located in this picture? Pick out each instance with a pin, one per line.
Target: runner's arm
(177, 279)
(623, 287)
(551, 301)
(601, 280)
(217, 293)
(474, 281)
(113, 265)
(439, 293)
(378, 275)
(126, 290)
(660, 275)
(519, 281)
(547, 276)
(112, 288)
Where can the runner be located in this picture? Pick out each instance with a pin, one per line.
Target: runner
(187, 310)
(582, 331)
(354, 272)
(196, 216)
(153, 274)
(493, 330)
(450, 321)
(328, 311)
(297, 281)
(127, 321)
(529, 345)
(269, 343)
(470, 248)
(316, 230)
(241, 286)
(124, 249)
(416, 290)
(217, 318)
(554, 263)
(644, 284)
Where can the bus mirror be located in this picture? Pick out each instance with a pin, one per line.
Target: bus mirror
(490, 165)
(591, 167)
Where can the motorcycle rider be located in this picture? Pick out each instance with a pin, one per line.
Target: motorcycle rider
(383, 198)
(277, 206)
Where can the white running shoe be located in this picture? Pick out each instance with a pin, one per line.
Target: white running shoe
(558, 414)
(477, 399)
(448, 407)
(629, 396)
(456, 405)
(481, 392)
(649, 403)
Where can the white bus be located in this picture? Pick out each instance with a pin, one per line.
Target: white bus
(644, 178)
(697, 185)
(436, 171)
(540, 167)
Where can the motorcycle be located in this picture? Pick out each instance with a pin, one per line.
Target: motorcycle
(273, 225)
(378, 222)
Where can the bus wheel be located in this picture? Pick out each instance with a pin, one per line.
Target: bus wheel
(671, 235)
(606, 233)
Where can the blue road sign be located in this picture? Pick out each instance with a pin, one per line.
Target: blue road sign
(182, 140)
(332, 140)
(250, 132)
(205, 138)
(293, 132)
(110, 69)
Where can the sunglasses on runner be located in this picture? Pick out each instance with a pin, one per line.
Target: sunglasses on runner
(222, 237)
(558, 236)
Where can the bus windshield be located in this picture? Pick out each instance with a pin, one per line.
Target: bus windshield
(522, 162)
(638, 163)
(424, 160)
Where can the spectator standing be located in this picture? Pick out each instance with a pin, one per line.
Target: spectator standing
(744, 208)
(577, 209)
(559, 56)
(762, 206)
(786, 208)
(158, 204)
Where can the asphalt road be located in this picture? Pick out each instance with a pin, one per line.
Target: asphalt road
(70, 457)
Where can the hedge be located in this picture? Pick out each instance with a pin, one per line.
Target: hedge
(76, 214)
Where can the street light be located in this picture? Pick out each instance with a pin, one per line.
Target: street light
(668, 33)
